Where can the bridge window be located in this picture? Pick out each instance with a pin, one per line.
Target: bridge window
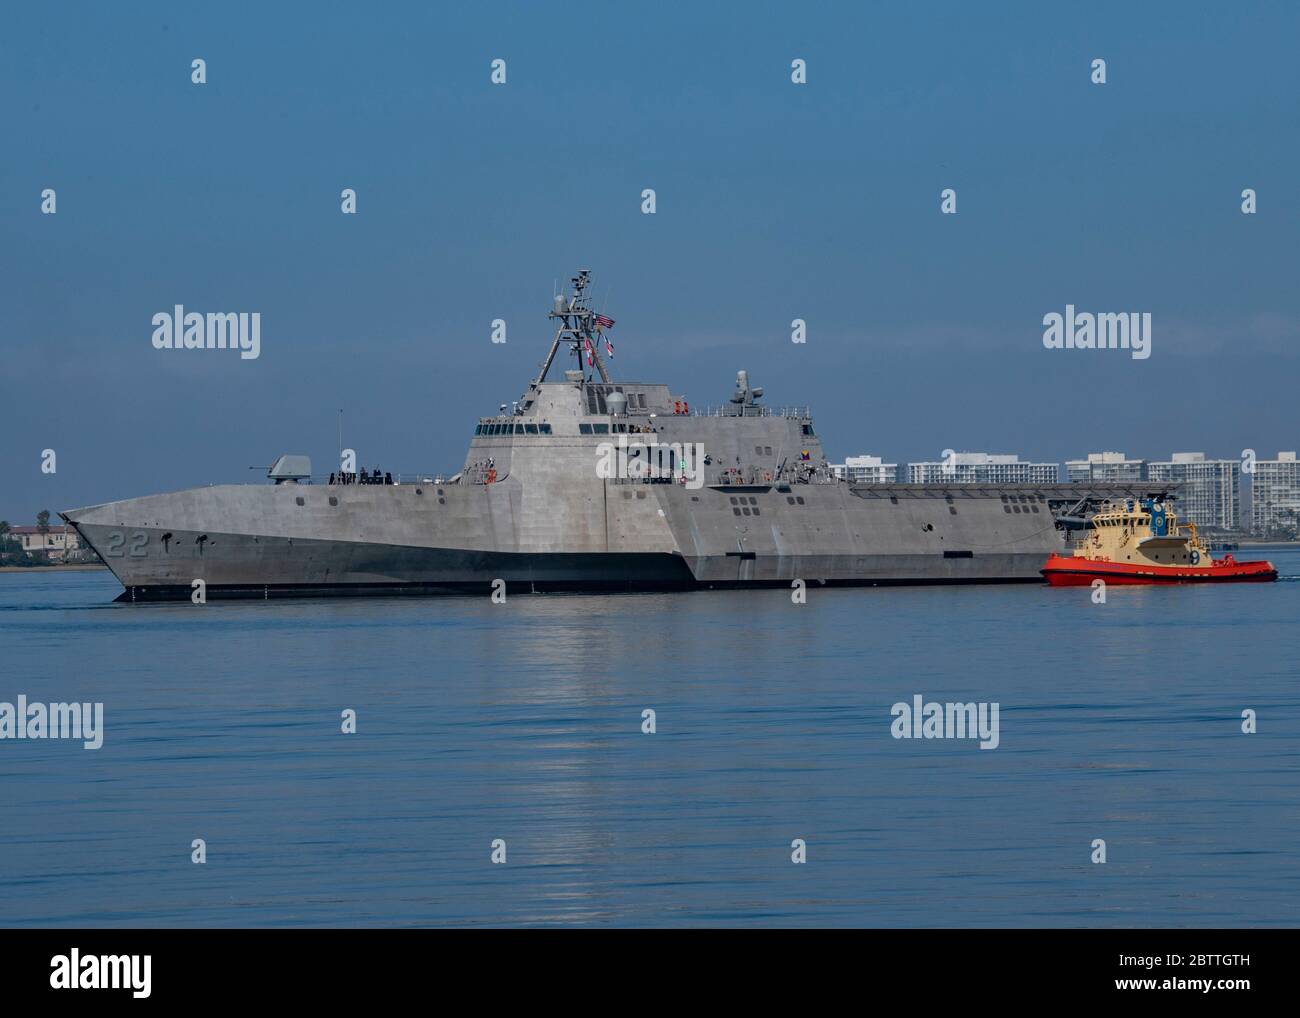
(600, 429)
(584, 429)
(530, 429)
(546, 428)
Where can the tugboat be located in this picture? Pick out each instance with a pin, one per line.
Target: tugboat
(1139, 541)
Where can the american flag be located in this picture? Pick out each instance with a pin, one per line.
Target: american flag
(604, 323)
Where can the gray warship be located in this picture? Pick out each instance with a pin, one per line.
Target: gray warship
(587, 484)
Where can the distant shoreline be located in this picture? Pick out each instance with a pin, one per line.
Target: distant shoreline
(75, 568)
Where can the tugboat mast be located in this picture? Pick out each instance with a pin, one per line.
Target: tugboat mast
(577, 327)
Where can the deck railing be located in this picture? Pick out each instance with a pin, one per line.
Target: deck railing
(752, 410)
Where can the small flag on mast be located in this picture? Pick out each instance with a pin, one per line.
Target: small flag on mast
(590, 358)
(604, 323)
(609, 348)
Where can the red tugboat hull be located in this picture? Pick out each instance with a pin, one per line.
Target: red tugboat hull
(1064, 571)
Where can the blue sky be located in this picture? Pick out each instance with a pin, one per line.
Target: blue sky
(775, 202)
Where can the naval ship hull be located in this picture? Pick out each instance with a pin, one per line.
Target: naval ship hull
(303, 540)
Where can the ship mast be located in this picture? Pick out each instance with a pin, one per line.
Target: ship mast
(577, 328)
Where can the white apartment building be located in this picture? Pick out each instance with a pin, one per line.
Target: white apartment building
(1105, 466)
(983, 468)
(1275, 494)
(866, 470)
(1210, 488)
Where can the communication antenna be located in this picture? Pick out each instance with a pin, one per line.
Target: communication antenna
(576, 328)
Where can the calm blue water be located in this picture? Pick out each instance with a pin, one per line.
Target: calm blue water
(522, 722)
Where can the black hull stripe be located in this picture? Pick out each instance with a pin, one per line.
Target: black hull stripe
(260, 592)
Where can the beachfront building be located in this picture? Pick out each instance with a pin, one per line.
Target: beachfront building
(1210, 488)
(983, 468)
(56, 541)
(865, 470)
(1275, 495)
(1105, 466)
